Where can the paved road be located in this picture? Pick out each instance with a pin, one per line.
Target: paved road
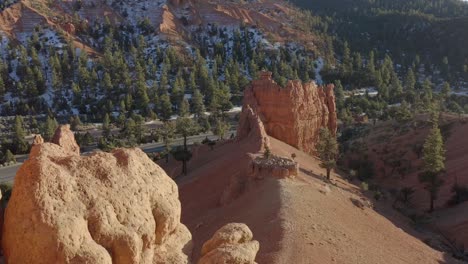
(7, 174)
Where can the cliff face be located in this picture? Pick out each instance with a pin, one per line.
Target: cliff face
(293, 114)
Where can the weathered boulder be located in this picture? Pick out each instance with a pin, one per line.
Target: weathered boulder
(293, 114)
(232, 244)
(117, 207)
(38, 140)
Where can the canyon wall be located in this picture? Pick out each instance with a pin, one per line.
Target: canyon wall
(293, 114)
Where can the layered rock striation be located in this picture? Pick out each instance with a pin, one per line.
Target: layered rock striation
(293, 114)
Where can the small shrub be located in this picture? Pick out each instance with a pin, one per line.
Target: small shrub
(293, 156)
(6, 189)
(267, 153)
(365, 186)
(377, 195)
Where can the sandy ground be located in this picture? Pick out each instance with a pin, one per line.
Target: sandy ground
(296, 220)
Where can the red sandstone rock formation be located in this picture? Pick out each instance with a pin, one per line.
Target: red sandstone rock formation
(251, 126)
(117, 207)
(65, 138)
(231, 244)
(293, 114)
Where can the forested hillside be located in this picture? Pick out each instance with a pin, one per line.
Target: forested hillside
(61, 60)
(432, 29)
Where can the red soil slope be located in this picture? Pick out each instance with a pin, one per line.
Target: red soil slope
(295, 220)
(388, 141)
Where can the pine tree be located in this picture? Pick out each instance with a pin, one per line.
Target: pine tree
(2, 87)
(371, 63)
(198, 107)
(75, 122)
(184, 108)
(347, 61)
(19, 136)
(9, 157)
(434, 163)
(49, 128)
(339, 93)
(106, 129)
(327, 149)
(167, 132)
(410, 81)
(185, 127)
(220, 128)
(166, 107)
(107, 83)
(445, 93)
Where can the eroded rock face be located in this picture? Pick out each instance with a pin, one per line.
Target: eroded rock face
(65, 138)
(293, 114)
(232, 244)
(117, 207)
(251, 127)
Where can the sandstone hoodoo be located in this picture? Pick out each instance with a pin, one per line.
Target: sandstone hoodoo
(117, 207)
(232, 244)
(295, 113)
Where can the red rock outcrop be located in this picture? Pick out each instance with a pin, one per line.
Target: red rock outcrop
(293, 114)
(231, 244)
(117, 207)
(251, 127)
(65, 138)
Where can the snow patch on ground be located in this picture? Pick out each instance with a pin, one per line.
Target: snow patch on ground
(320, 63)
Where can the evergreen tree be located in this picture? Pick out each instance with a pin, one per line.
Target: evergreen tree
(198, 107)
(9, 157)
(2, 87)
(339, 93)
(19, 136)
(49, 128)
(167, 132)
(184, 108)
(410, 81)
(327, 149)
(75, 122)
(434, 163)
(220, 128)
(185, 127)
(106, 129)
(166, 107)
(445, 93)
(347, 61)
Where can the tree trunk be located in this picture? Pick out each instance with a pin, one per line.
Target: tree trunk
(328, 174)
(431, 209)
(185, 143)
(184, 167)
